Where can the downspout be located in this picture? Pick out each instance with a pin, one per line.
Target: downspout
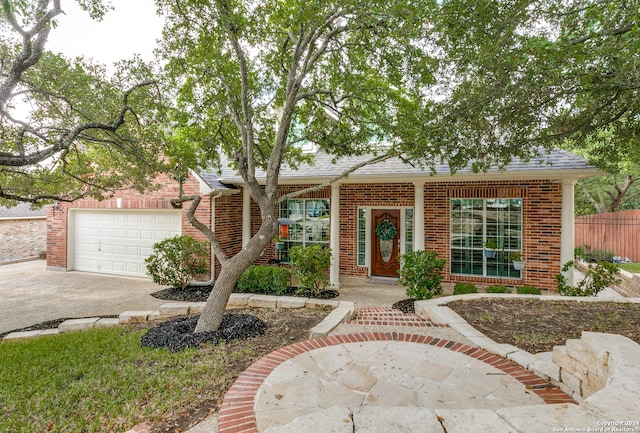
(213, 275)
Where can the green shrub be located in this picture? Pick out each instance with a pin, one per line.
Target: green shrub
(497, 289)
(528, 290)
(265, 279)
(598, 277)
(310, 265)
(421, 273)
(176, 261)
(464, 288)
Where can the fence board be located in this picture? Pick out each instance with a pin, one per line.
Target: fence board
(617, 232)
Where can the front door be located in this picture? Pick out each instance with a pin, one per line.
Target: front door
(385, 242)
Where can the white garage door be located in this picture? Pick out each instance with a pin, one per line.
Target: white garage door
(118, 241)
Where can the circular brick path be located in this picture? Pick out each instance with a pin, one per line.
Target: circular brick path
(237, 410)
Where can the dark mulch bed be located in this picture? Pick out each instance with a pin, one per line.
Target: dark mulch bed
(406, 306)
(537, 326)
(178, 334)
(201, 293)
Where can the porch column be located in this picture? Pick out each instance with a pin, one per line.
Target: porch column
(567, 232)
(246, 216)
(418, 217)
(334, 243)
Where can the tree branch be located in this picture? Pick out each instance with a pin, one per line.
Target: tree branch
(336, 178)
(191, 216)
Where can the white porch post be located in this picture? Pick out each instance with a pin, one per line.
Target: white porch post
(246, 216)
(567, 239)
(334, 243)
(418, 217)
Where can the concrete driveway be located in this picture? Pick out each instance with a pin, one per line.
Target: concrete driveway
(29, 294)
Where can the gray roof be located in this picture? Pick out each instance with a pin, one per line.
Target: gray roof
(23, 210)
(559, 163)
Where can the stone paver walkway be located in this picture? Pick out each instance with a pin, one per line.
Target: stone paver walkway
(380, 381)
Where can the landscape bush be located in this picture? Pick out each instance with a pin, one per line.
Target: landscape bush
(528, 290)
(599, 276)
(176, 261)
(464, 288)
(310, 265)
(421, 272)
(497, 289)
(265, 279)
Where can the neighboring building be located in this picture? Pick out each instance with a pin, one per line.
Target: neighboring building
(528, 207)
(23, 232)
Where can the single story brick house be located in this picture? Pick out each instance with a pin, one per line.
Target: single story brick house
(23, 233)
(527, 208)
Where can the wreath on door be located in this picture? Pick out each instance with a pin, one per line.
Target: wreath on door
(386, 231)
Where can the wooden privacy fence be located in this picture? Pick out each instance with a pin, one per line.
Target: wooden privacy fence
(617, 233)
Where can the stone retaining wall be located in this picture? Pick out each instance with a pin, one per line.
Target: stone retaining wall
(586, 365)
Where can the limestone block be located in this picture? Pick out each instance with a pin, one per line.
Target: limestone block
(196, 307)
(329, 323)
(564, 361)
(351, 306)
(570, 380)
(239, 300)
(154, 315)
(322, 303)
(545, 367)
(22, 334)
(263, 301)
(370, 419)
(134, 316)
(77, 324)
(522, 358)
(105, 322)
(291, 302)
(577, 350)
(174, 309)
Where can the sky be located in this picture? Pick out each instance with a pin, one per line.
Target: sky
(131, 28)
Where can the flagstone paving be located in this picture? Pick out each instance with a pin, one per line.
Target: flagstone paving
(381, 381)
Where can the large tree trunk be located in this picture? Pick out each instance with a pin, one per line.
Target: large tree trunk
(211, 316)
(230, 272)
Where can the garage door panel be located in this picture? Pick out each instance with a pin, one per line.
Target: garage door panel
(118, 241)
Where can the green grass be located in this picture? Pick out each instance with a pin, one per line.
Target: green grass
(630, 267)
(101, 380)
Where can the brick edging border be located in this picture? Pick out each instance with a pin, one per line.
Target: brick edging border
(237, 415)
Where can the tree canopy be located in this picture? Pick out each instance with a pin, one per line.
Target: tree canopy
(67, 130)
(535, 72)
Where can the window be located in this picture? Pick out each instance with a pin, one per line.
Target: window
(362, 237)
(408, 230)
(473, 221)
(312, 223)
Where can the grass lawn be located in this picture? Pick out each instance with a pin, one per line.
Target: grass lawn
(101, 380)
(631, 267)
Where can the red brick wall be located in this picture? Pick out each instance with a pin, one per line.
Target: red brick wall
(542, 205)
(353, 196)
(22, 238)
(58, 219)
(228, 224)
